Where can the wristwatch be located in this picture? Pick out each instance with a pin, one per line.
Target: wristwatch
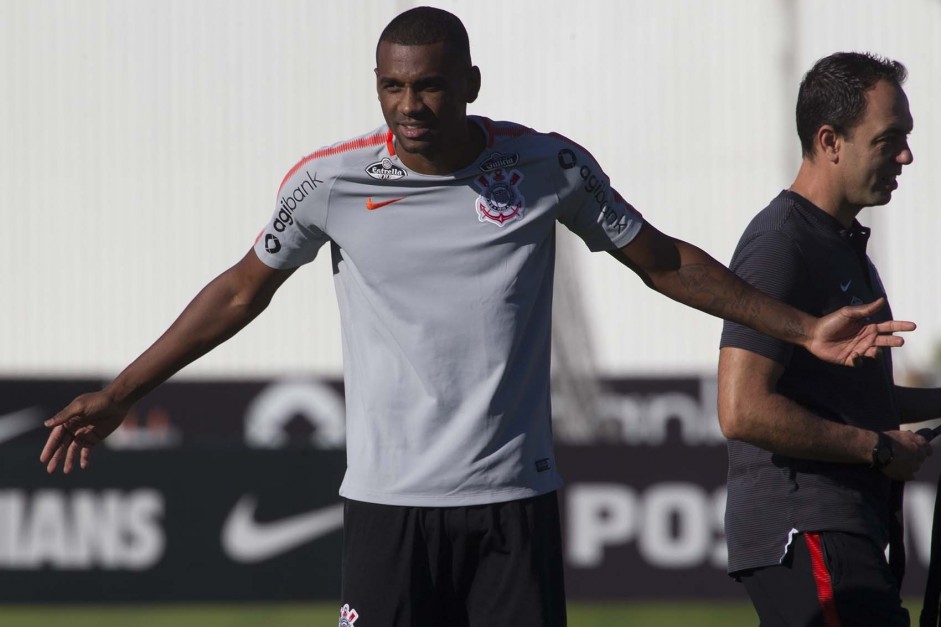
(882, 454)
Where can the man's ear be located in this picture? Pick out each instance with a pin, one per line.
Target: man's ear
(473, 84)
(829, 143)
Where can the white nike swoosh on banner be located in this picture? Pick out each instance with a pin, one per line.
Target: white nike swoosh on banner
(246, 540)
(18, 423)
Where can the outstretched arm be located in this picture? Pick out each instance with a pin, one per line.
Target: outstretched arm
(751, 410)
(688, 275)
(219, 311)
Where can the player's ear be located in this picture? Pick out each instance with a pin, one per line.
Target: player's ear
(473, 83)
(829, 142)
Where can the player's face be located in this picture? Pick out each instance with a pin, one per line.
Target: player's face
(424, 91)
(875, 150)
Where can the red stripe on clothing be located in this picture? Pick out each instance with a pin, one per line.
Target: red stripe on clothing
(576, 144)
(822, 579)
(492, 131)
(503, 131)
(363, 142)
(488, 131)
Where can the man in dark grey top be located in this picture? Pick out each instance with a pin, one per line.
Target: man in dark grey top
(816, 457)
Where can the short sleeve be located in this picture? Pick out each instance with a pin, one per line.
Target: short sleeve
(590, 207)
(297, 229)
(771, 262)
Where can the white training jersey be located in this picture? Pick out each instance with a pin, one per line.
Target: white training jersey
(444, 286)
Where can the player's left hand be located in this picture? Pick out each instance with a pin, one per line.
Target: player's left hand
(845, 336)
(84, 422)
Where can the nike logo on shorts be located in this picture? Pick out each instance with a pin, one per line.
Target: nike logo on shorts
(382, 203)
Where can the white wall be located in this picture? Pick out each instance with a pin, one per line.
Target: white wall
(143, 142)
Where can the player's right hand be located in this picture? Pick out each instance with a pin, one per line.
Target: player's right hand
(909, 452)
(82, 424)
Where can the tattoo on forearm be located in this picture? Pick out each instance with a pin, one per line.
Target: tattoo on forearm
(793, 328)
(734, 300)
(703, 291)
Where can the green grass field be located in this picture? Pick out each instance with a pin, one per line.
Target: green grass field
(639, 614)
(315, 615)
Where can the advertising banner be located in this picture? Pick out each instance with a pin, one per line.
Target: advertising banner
(224, 491)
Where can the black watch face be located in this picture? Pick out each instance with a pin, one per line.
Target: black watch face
(883, 456)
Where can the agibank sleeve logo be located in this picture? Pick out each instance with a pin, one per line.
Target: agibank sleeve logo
(272, 244)
(611, 215)
(500, 200)
(291, 198)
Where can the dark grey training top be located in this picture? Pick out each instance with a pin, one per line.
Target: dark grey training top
(797, 253)
(444, 286)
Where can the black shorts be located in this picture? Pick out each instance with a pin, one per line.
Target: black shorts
(477, 566)
(827, 579)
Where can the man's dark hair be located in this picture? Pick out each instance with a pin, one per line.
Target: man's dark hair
(426, 25)
(834, 92)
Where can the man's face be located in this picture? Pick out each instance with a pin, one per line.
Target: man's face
(875, 150)
(424, 91)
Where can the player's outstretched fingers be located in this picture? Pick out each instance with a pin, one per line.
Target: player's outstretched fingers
(83, 460)
(867, 309)
(56, 448)
(85, 439)
(69, 412)
(886, 329)
(893, 326)
(52, 444)
(70, 456)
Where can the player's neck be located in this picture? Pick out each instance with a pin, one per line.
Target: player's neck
(825, 192)
(457, 154)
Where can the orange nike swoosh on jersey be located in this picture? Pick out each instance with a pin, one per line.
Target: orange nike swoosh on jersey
(376, 205)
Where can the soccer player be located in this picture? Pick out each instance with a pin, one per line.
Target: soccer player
(441, 231)
(816, 457)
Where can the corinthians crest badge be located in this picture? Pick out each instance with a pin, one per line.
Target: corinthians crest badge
(348, 616)
(500, 200)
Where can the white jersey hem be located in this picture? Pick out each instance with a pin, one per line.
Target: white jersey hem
(453, 500)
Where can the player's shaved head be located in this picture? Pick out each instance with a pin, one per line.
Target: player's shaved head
(427, 25)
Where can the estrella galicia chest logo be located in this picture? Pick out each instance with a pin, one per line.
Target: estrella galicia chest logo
(498, 160)
(272, 244)
(385, 170)
(291, 199)
(500, 200)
